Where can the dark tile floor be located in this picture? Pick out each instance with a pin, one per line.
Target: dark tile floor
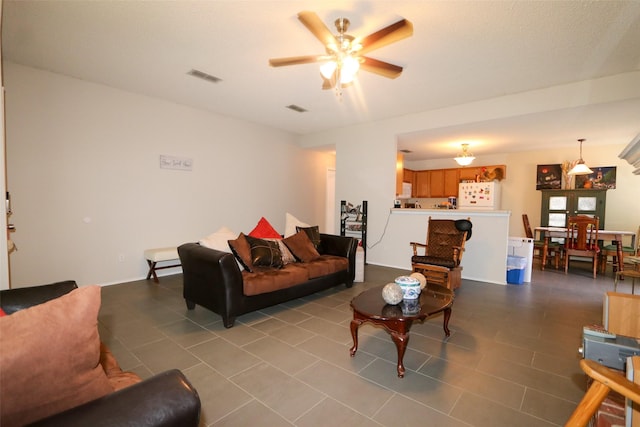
(511, 359)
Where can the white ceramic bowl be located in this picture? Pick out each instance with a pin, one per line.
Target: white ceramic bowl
(410, 287)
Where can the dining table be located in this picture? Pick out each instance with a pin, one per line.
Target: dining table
(614, 236)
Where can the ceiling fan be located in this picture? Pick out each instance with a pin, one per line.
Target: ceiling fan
(344, 53)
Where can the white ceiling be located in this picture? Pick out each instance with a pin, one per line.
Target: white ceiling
(460, 52)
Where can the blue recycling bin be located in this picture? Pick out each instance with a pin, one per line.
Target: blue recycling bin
(515, 269)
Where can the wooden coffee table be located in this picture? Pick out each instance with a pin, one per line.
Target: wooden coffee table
(370, 307)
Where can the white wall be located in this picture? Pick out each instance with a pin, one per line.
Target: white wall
(4, 257)
(364, 159)
(366, 155)
(83, 163)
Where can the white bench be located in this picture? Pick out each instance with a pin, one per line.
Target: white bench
(154, 256)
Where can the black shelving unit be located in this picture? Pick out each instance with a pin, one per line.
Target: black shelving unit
(353, 222)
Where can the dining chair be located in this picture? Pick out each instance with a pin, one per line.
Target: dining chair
(633, 273)
(443, 251)
(604, 380)
(554, 250)
(612, 251)
(582, 240)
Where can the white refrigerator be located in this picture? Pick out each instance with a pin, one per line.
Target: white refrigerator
(479, 195)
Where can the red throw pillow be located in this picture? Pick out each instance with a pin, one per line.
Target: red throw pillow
(264, 230)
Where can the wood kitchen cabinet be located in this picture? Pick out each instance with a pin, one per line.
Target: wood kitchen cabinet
(467, 174)
(442, 183)
(408, 176)
(436, 183)
(422, 182)
(451, 181)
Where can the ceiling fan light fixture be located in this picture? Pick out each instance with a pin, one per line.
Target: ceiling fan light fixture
(580, 168)
(328, 68)
(344, 54)
(349, 69)
(465, 158)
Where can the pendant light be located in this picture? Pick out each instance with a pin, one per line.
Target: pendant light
(465, 158)
(580, 168)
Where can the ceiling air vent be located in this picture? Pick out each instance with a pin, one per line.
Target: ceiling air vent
(204, 76)
(297, 108)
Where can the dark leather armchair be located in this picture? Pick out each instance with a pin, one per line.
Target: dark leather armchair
(166, 399)
(443, 251)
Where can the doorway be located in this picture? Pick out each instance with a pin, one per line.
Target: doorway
(330, 202)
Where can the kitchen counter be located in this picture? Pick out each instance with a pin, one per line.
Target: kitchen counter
(485, 255)
(454, 212)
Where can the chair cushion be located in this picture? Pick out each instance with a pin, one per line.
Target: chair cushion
(625, 249)
(442, 237)
(325, 265)
(441, 244)
(267, 279)
(50, 357)
(465, 225)
(432, 260)
(161, 254)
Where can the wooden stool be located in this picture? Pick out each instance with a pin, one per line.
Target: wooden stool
(154, 256)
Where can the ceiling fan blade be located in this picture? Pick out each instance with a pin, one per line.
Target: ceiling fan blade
(385, 36)
(380, 67)
(317, 27)
(294, 60)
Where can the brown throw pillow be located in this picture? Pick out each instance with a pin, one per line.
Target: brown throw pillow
(265, 253)
(242, 251)
(313, 233)
(50, 358)
(301, 246)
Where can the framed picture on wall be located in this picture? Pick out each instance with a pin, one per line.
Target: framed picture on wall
(549, 177)
(602, 178)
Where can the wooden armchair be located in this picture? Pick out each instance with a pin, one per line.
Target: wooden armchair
(443, 251)
(582, 240)
(604, 380)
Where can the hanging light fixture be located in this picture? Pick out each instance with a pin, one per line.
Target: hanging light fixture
(343, 65)
(465, 158)
(345, 68)
(580, 168)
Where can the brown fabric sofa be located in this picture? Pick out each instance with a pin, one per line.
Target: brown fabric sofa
(213, 279)
(55, 371)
